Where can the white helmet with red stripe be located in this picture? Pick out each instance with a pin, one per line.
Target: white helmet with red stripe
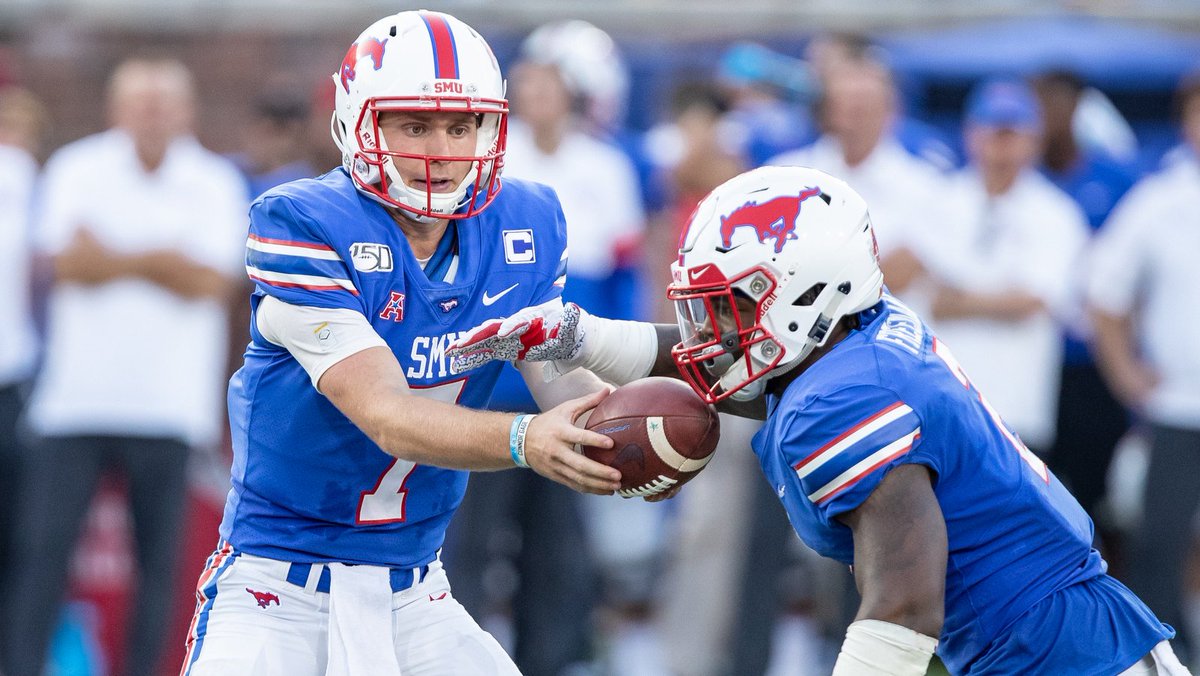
(770, 261)
(420, 61)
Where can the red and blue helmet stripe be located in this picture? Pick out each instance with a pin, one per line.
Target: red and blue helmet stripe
(445, 51)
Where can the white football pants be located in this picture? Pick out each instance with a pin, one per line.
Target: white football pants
(251, 620)
(1160, 662)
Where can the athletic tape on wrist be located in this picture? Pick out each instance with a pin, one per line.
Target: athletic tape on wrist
(619, 351)
(878, 648)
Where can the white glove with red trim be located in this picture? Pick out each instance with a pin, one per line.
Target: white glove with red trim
(547, 332)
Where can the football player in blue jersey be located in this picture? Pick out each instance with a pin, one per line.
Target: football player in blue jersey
(350, 434)
(884, 454)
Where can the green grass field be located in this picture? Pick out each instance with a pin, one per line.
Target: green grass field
(936, 668)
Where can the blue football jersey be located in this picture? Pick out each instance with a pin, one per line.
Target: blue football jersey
(308, 485)
(890, 393)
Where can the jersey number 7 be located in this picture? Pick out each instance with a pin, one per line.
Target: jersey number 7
(385, 502)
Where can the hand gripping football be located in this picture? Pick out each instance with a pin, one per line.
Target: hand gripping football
(663, 435)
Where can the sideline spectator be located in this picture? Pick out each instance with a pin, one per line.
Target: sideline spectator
(858, 114)
(19, 118)
(1090, 421)
(1005, 262)
(145, 230)
(1144, 281)
(565, 92)
(274, 140)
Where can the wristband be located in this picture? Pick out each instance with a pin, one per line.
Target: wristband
(516, 439)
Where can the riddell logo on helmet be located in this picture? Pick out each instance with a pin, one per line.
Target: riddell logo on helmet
(774, 219)
(371, 47)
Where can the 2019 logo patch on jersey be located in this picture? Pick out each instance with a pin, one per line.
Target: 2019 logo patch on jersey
(518, 246)
(371, 257)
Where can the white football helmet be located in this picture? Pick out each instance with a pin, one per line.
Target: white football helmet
(420, 61)
(770, 261)
(590, 65)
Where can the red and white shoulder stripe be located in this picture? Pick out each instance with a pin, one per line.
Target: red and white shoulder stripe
(863, 467)
(284, 247)
(292, 280)
(294, 251)
(861, 442)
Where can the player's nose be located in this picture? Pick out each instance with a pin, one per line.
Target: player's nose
(438, 143)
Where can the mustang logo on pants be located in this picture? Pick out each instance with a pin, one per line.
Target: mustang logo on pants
(264, 598)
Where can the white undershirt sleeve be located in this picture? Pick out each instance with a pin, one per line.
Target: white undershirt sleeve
(317, 337)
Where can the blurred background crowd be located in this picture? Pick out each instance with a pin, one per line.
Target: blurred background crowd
(1033, 174)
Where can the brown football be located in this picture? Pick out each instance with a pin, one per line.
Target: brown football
(663, 434)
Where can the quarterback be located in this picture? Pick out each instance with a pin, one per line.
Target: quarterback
(884, 454)
(350, 434)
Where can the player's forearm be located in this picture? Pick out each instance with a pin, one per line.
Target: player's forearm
(621, 351)
(1006, 306)
(577, 383)
(178, 274)
(900, 552)
(1116, 355)
(434, 433)
(668, 338)
(369, 388)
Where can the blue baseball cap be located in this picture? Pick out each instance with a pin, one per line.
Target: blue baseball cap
(1005, 104)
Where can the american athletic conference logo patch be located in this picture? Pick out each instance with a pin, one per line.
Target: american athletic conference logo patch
(394, 308)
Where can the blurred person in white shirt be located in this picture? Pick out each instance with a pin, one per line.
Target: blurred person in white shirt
(1006, 262)
(858, 113)
(707, 555)
(567, 90)
(144, 230)
(1143, 284)
(22, 117)
(1090, 421)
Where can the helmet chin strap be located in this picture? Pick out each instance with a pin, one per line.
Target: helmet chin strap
(752, 390)
(818, 334)
(738, 373)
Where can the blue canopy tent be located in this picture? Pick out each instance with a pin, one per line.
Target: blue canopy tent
(1107, 53)
(1138, 66)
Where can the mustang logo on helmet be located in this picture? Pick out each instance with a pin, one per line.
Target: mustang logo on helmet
(772, 219)
(370, 47)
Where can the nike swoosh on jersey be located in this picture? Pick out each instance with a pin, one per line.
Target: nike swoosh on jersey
(488, 300)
